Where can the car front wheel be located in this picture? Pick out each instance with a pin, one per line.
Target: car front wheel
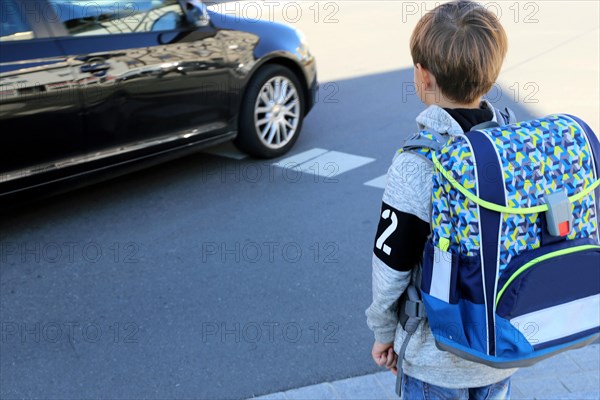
(271, 114)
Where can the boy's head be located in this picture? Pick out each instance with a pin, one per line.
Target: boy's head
(463, 46)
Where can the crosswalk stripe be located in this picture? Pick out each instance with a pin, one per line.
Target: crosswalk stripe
(316, 161)
(378, 182)
(334, 163)
(297, 159)
(325, 163)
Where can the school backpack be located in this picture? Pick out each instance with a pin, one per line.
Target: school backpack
(511, 270)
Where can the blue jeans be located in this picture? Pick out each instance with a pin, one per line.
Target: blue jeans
(414, 389)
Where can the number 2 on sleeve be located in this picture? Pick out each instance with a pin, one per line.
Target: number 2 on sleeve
(380, 243)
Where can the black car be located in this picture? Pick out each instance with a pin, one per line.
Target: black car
(93, 88)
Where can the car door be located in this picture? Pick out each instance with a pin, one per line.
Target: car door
(148, 78)
(40, 114)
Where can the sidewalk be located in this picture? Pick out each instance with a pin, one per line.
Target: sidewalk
(571, 375)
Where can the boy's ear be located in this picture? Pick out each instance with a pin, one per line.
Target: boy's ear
(425, 77)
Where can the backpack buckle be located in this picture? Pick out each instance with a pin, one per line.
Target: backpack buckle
(559, 218)
(411, 309)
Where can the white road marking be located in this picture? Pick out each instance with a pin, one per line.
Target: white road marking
(297, 159)
(317, 161)
(378, 182)
(326, 163)
(334, 163)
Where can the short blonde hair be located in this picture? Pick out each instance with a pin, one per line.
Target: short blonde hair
(463, 45)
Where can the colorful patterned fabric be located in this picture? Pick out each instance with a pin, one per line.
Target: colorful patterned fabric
(538, 157)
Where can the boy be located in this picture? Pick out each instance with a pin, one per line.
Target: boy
(457, 49)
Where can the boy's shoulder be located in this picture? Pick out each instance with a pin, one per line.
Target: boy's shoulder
(406, 161)
(409, 184)
(410, 165)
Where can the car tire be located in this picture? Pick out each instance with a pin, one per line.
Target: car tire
(271, 114)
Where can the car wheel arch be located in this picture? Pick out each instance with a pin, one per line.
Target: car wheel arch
(288, 63)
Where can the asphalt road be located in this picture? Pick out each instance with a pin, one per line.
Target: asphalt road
(210, 277)
(206, 277)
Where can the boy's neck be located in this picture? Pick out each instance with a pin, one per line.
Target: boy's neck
(444, 103)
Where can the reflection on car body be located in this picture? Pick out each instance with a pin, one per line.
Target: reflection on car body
(83, 93)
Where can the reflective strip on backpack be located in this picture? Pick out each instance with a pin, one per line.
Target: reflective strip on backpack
(561, 320)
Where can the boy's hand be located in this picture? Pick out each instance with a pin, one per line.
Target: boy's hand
(383, 354)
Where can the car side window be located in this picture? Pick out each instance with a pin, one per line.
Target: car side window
(12, 24)
(119, 17)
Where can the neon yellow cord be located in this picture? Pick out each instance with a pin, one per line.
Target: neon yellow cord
(540, 259)
(497, 207)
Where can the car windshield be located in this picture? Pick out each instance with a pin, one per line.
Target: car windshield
(109, 16)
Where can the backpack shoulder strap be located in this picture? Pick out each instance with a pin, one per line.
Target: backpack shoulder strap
(505, 117)
(424, 141)
(485, 125)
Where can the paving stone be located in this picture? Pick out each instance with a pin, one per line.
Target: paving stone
(543, 388)
(515, 393)
(387, 380)
(582, 381)
(272, 396)
(581, 396)
(322, 391)
(360, 388)
(527, 373)
(588, 358)
(553, 366)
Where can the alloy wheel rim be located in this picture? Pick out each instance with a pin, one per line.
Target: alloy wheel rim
(277, 112)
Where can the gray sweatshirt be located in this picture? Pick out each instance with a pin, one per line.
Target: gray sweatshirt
(408, 190)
